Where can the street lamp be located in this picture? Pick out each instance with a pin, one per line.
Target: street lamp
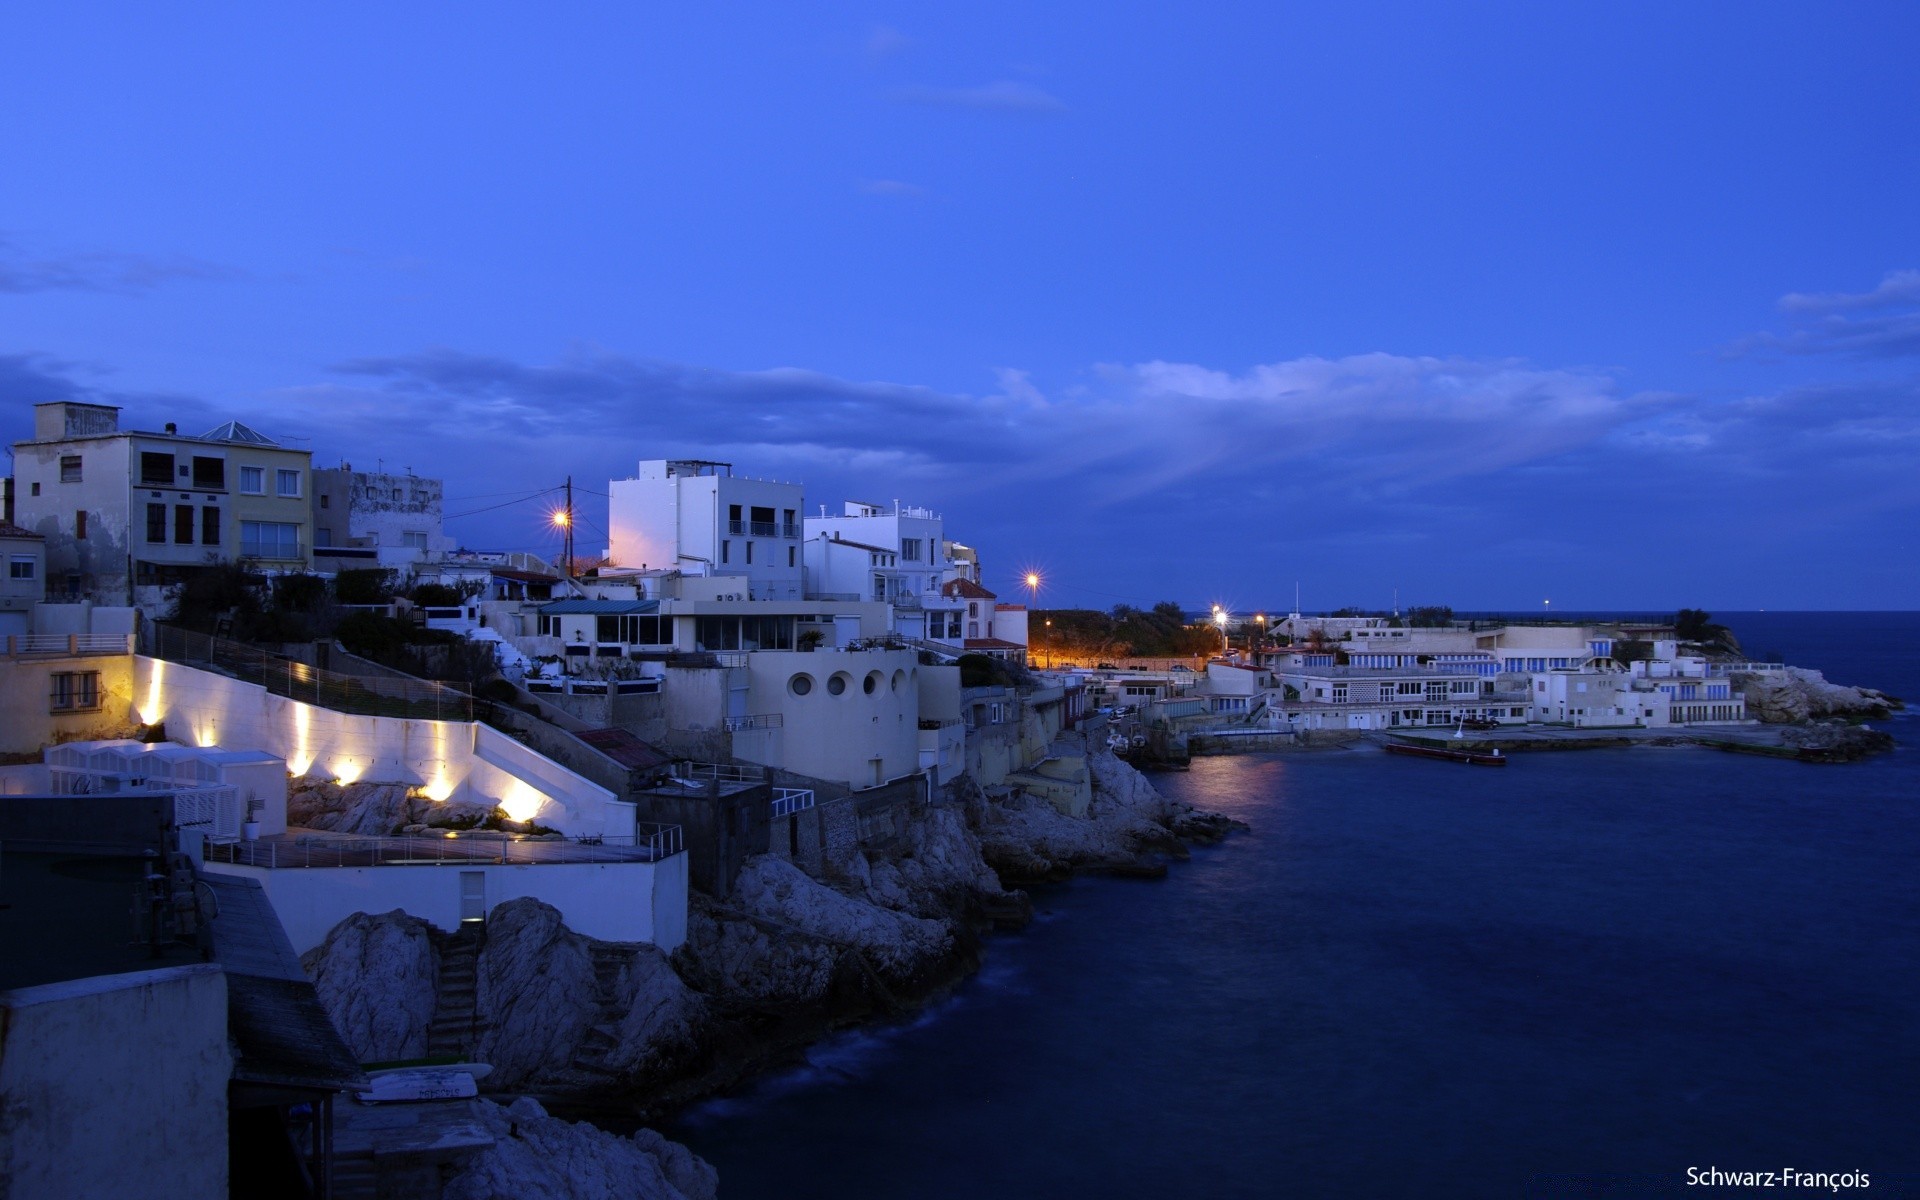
(1220, 619)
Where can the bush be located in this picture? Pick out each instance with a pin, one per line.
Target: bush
(436, 595)
(365, 585)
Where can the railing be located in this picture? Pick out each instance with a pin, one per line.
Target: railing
(764, 528)
(758, 721)
(276, 550)
(737, 528)
(1743, 668)
(652, 843)
(848, 596)
(67, 645)
(787, 801)
(721, 772)
(593, 687)
(789, 529)
(414, 699)
(708, 659)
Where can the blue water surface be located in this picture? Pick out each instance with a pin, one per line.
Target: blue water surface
(1420, 979)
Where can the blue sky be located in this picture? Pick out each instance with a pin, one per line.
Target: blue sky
(1614, 304)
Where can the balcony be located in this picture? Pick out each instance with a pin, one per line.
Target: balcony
(277, 551)
(67, 645)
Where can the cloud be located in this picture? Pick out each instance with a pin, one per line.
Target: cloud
(1154, 479)
(1898, 287)
(97, 271)
(891, 187)
(1882, 323)
(1004, 96)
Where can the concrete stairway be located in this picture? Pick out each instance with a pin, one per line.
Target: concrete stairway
(455, 1026)
(609, 963)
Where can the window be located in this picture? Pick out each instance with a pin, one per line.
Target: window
(726, 549)
(80, 524)
(70, 468)
(36, 487)
(269, 539)
(790, 553)
(156, 468)
(183, 524)
(286, 483)
(209, 473)
(75, 691)
(414, 539)
(326, 501)
(21, 567)
(749, 553)
(209, 526)
(157, 524)
(910, 549)
(253, 480)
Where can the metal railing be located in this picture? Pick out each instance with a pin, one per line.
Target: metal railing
(412, 699)
(788, 801)
(758, 721)
(67, 645)
(1721, 670)
(651, 844)
(720, 772)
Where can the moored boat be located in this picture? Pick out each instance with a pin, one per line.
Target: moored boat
(1492, 758)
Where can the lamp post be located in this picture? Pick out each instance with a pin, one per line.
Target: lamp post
(1220, 619)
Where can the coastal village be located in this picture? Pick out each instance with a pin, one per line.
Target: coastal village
(433, 852)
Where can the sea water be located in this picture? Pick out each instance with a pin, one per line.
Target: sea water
(1582, 974)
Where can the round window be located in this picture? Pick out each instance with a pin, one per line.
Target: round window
(872, 683)
(800, 685)
(837, 684)
(899, 677)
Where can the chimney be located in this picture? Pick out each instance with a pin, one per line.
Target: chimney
(172, 429)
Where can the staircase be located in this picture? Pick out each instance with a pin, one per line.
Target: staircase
(610, 962)
(456, 1025)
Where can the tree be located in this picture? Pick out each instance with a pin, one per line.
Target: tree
(1693, 624)
(1432, 616)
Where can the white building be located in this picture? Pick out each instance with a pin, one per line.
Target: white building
(399, 517)
(122, 510)
(23, 581)
(908, 560)
(701, 518)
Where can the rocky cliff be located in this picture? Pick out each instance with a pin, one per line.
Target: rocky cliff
(1800, 694)
(786, 957)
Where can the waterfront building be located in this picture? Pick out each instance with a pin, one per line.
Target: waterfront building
(126, 514)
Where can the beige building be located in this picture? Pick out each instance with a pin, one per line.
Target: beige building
(23, 573)
(126, 513)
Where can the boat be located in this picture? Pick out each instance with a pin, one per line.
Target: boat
(1491, 758)
(422, 1083)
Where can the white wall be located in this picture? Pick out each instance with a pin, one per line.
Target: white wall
(452, 759)
(836, 737)
(116, 1086)
(615, 902)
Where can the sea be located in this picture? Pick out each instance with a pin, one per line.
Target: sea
(1596, 973)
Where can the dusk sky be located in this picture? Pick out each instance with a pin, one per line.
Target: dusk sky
(1617, 305)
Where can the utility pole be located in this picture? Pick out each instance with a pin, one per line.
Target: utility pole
(569, 549)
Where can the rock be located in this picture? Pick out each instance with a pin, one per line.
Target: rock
(376, 977)
(1800, 694)
(898, 946)
(534, 987)
(375, 809)
(539, 1155)
(1836, 741)
(662, 1018)
(728, 956)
